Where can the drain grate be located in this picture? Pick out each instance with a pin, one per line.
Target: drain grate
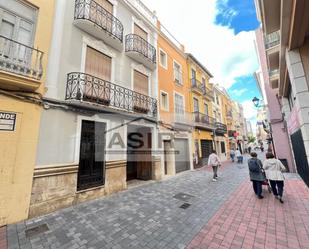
(36, 230)
(185, 205)
(183, 197)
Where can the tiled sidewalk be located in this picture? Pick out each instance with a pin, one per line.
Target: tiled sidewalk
(247, 222)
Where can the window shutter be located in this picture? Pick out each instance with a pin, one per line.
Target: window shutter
(140, 83)
(139, 31)
(106, 5)
(98, 64)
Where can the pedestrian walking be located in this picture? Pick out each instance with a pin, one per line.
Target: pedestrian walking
(215, 162)
(249, 150)
(239, 156)
(273, 169)
(232, 154)
(257, 176)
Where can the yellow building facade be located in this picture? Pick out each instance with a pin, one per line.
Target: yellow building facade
(25, 37)
(200, 98)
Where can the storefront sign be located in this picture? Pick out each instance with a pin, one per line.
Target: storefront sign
(7, 121)
(293, 122)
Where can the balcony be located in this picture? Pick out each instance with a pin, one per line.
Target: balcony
(203, 121)
(92, 18)
(272, 40)
(208, 94)
(270, 14)
(274, 78)
(198, 87)
(183, 120)
(220, 128)
(83, 87)
(22, 65)
(141, 51)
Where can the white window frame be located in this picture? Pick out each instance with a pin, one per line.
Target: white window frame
(180, 67)
(161, 102)
(183, 101)
(160, 62)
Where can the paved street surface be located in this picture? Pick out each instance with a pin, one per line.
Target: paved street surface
(223, 214)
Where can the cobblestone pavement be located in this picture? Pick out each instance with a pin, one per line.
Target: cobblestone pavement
(142, 217)
(223, 214)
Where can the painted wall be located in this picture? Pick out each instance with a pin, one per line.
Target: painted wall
(18, 147)
(166, 81)
(280, 135)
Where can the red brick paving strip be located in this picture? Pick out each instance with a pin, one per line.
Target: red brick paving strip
(244, 221)
(3, 242)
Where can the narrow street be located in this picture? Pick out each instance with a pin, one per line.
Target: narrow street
(223, 214)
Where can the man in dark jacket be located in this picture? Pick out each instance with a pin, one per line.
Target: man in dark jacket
(256, 174)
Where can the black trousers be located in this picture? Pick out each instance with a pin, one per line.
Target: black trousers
(277, 187)
(215, 170)
(257, 187)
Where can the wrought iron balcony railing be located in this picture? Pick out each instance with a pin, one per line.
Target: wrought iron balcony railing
(273, 72)
(196, 84)
(209, 93)
(203, 119)
(220, 128)
(135, 43)
(21, 59)
(272, 39)
(93, 12)
(85, 87)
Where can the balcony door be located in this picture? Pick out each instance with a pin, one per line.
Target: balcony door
(140, 32)
(98, 68)
(193, 77)
(179, 107)
(141, 92)
(106, 5)
(196, 109)
(16, 34)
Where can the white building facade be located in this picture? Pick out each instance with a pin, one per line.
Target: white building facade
(100, 103)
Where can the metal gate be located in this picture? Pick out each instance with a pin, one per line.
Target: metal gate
(300, 156)
(182, 158)
(206, 147)
(91, 157)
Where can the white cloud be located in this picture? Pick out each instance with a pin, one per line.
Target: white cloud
(226, 55)
(238, 92)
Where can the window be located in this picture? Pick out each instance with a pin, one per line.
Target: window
(163, 59)
(18, 27)
(98, 64)
(217, 99)
(106, 5)
(140, 83)
(193, 77)
(205, 108)
(179, 105)
(139, 31)
(164, 101)
(177, 73)
(195, 105)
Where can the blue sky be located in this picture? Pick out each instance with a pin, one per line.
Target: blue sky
(239, 15)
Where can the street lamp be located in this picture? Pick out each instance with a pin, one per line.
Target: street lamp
(256, 101)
